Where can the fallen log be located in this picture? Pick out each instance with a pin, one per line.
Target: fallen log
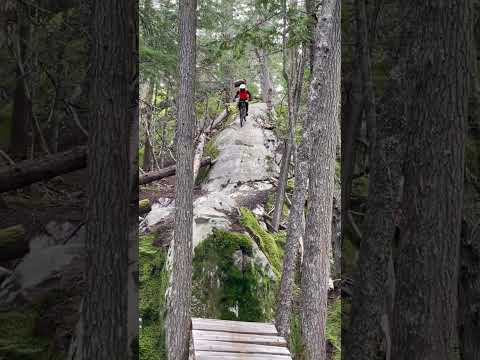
(166, 172)
(31, 171)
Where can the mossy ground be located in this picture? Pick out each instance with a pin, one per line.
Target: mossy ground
(18, 340)
(153, 284)
(334, 326)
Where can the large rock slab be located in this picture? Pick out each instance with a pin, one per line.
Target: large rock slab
(246, 154)
(43, 271)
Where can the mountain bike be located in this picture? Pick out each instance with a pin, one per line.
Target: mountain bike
(243, 112)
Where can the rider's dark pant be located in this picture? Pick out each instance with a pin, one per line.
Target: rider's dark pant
(246, 106)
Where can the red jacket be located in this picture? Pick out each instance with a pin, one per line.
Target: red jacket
(244, 94)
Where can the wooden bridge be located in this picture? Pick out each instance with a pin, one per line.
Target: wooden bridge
(237, 340)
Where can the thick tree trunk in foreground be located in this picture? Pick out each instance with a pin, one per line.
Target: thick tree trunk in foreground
(351, 121)
(324, 102)
(30, 171)
(469, 293)
(105, 310)
(368, 336)
(435, 78)
(178, 303)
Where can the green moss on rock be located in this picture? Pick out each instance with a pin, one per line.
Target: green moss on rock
(227, 284)
(267, 242)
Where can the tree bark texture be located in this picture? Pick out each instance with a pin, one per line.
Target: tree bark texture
(369, 331)
(435, 79)
(324, 103)
(295, 232)
(112, 56)
(178, 313)
(351, 122)
(147, 153)
(367, 336)
(469, 292)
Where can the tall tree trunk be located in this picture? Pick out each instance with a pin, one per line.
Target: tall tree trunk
(369, 329)
(294, 78)
(324, 102)
(21, 119)
(351, 123)
(469, 292)
(147, 153)
(178, 314)
(265, 77)
(369, 335)
(104, 310)
(295, 231)
(435, 79)
(22, 105)
(469, 274)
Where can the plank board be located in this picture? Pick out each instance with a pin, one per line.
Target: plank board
(207, 345)
(234, 326)
(239, 337)
(208, 355)
(237, 340)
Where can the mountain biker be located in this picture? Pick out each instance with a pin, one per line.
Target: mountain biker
(244, 95)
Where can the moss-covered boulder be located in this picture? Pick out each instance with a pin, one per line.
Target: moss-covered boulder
(227, 282)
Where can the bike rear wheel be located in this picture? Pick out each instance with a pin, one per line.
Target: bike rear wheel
(243, 112)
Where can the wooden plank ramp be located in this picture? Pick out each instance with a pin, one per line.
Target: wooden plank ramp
(237, 340)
